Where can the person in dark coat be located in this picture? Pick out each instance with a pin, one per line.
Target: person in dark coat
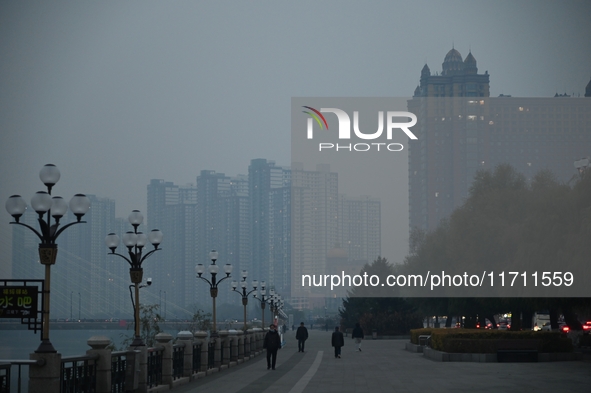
(272, 344)
(357, 335)
(337, 341)
(301, 336)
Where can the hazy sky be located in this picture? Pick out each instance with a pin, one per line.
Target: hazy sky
(118, 93)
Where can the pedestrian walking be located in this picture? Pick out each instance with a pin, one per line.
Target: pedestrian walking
(358, 336)
(337, 341)
(301, 336)
(272, 344)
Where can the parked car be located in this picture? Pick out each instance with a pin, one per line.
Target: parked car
(487, 325)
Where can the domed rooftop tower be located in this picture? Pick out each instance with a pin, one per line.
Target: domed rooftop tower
(425, 72)
(470, 65)
(459, 78)
(453, 63)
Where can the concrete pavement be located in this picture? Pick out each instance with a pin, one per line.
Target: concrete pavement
(384, 366)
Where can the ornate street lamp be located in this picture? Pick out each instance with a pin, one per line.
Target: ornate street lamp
(263, 301)
(135, 242)
(213, 284)
(244, 293)
(273, 302)
(56, 207)
(276, 304)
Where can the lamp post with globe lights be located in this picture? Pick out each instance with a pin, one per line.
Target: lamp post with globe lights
(135, 242)
(48, 207)
(213, 284)
(276, 304)
(244, 293)
(263, 299)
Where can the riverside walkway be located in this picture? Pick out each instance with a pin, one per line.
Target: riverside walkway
(385, 366)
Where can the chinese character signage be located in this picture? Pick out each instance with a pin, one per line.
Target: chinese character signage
(18, 301)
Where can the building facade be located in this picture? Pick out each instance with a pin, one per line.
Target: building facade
(270, 215)
(461, 129)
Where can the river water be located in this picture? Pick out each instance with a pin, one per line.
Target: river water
(18, 344)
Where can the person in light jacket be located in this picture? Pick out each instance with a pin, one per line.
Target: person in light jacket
(357, 335)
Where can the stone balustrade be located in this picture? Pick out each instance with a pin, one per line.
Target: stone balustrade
(179, 364)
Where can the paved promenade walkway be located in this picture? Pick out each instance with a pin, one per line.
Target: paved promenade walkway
(384, 366)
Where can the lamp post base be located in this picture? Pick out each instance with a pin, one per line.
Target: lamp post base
(44, 374)
(46, 347)
(137, 342)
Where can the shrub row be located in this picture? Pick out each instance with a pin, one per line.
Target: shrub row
(415, 333)
(488, 341)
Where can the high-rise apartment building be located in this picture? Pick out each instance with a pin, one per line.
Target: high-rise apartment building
(160, 194)
(223, 224)
(88, 268)
(269, 192)
(173, 210)
(315, 226)
(25, 255)
(84, 275)
(360, 228)
(461, 129)
(235, 214)
(212, 188)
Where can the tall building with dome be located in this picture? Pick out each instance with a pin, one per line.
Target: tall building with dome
(459, 78)
(461, 129)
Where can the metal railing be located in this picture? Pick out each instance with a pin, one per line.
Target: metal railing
(210, 354)
(231, 351)
(118, 371)
(178, 360)
(196, 357)
(155, 366)
(78, 374)
(5, 377)
(6, 374)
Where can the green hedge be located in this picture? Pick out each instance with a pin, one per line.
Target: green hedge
(486, 341)
(415, 333)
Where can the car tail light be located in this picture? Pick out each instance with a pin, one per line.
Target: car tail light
(565, 329)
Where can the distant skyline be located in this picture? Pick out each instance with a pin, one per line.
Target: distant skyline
(118, 93)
